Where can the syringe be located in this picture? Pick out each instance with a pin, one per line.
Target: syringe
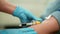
(23, 25)
(29, 24)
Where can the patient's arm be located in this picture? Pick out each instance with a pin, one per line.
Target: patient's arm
(47, 27)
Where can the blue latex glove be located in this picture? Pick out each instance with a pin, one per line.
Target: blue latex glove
(24, 15)
(18, 31)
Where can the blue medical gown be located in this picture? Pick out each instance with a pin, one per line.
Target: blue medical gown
(52, 6)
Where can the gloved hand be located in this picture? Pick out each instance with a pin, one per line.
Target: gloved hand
(24, 15)
(18, 31)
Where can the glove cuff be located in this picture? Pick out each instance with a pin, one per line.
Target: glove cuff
(17, 11)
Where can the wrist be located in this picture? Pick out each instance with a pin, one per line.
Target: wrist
(2, 3)
(8, 7)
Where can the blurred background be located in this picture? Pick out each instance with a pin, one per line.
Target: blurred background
(35, 6)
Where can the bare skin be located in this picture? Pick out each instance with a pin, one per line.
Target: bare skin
(47, 27)
(6, 7)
